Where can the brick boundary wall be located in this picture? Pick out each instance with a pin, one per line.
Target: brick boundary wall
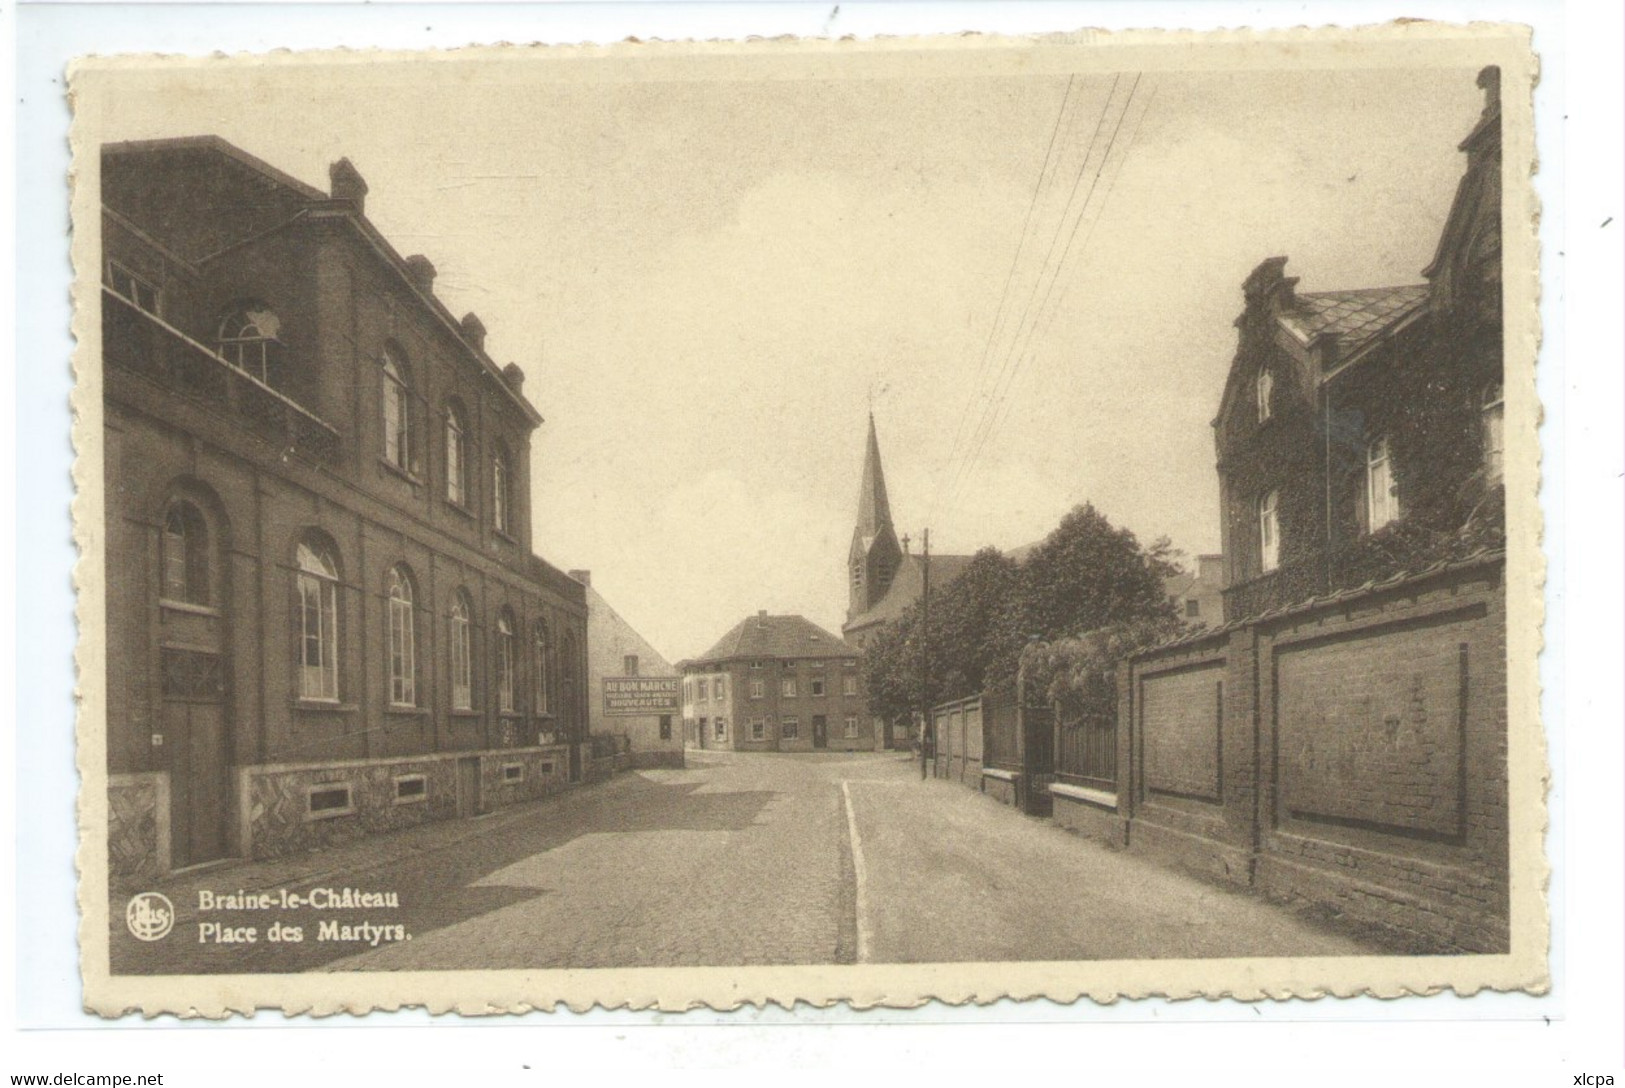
(1349, 755)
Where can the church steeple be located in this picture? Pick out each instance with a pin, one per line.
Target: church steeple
(875, 554)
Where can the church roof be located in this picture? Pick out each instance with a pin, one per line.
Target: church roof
(766, 636)
(874, 508)
(908, 584)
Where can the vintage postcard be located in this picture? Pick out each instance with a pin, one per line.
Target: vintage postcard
(675, 525)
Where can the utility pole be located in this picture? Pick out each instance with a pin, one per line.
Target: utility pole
(926, 732)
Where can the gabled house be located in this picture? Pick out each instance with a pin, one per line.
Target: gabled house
(1359, 433)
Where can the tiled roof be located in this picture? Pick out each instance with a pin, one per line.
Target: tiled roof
(1354, 317)
(776, 636)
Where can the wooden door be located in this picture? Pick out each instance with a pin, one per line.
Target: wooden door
(194, 713)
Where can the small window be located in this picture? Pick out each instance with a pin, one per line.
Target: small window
(758, 729)
(1269, 531)
(462, 653)
(787, 687)
(1493, 422)
(665, 727)
(328, 800)
(758, 689)
(704, 688)
(1193, 608)
(131, 287)
(456, 457)
(790, 728)
(851, 728)
(849, 685)
(719, 688)
(317, 585)
(1382, 492)
(505, 663)
(398, 438)
(629, 664)
(755, 664)
(411, 788)
(1265, 388)
(185, 555)
(248, 341)
(513, 772)
(547, 766)
(722, 728)
(817, 662)
(817, 687)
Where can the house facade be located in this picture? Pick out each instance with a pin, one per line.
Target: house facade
(633, 689)
(1197, 596)
(776, 684)
(324, 617)
(1341, 739)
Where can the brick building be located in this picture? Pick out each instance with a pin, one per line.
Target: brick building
(617, 653)
(1342, 739)
(324, 617)
(776, 684)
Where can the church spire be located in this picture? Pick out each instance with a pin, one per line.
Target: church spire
(874, 509)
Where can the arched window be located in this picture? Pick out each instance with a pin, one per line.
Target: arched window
(397, 411)
(539, 691)
(318, 579)
(462, 654)
(505, 662)
(185, 551)
(456, 457)
(1269, 531)
(1264, 388)
(501, 497)
(1493, 410)
(249, 341)
(402, 640)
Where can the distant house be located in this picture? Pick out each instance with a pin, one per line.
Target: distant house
(1360, 430)
(616, 653)
(776, 684)
(1198, 596)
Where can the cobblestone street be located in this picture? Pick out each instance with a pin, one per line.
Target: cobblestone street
(736, 860)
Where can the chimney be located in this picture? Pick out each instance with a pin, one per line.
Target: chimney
(346, 183)
(473, 330)
(1269, 284)
(515, 378)
(421, 271)
(582, 576)
(1490, 79)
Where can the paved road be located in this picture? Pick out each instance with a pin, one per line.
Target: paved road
(736, 860)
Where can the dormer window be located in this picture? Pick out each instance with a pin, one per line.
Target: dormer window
(248, 341)
(1264, 387)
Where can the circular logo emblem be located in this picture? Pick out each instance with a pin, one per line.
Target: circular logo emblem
(150, 916)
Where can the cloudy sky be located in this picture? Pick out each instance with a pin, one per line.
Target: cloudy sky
(1030, 276)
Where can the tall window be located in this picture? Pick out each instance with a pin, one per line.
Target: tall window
(505, 660)
(1264, 387)
(787, 687)
(539, 675)
(456, 457)
(462, 654)
(1269, 531)
(790, 728)
(1381, 491)
(1494, 435)
(185, 555)
(397, 414)
(318, 623)
(402, 641)
(248, 341)
(501, 498)
(719, 688)
(849, 685)
(757, 689)
(850, 728)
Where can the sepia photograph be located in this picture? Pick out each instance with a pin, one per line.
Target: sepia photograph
(907, 519)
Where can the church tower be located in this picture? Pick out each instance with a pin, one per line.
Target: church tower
(874, 555)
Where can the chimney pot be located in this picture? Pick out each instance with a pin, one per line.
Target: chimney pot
(346, 183)
(514, 377)
(473, 329)
(421, 270)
